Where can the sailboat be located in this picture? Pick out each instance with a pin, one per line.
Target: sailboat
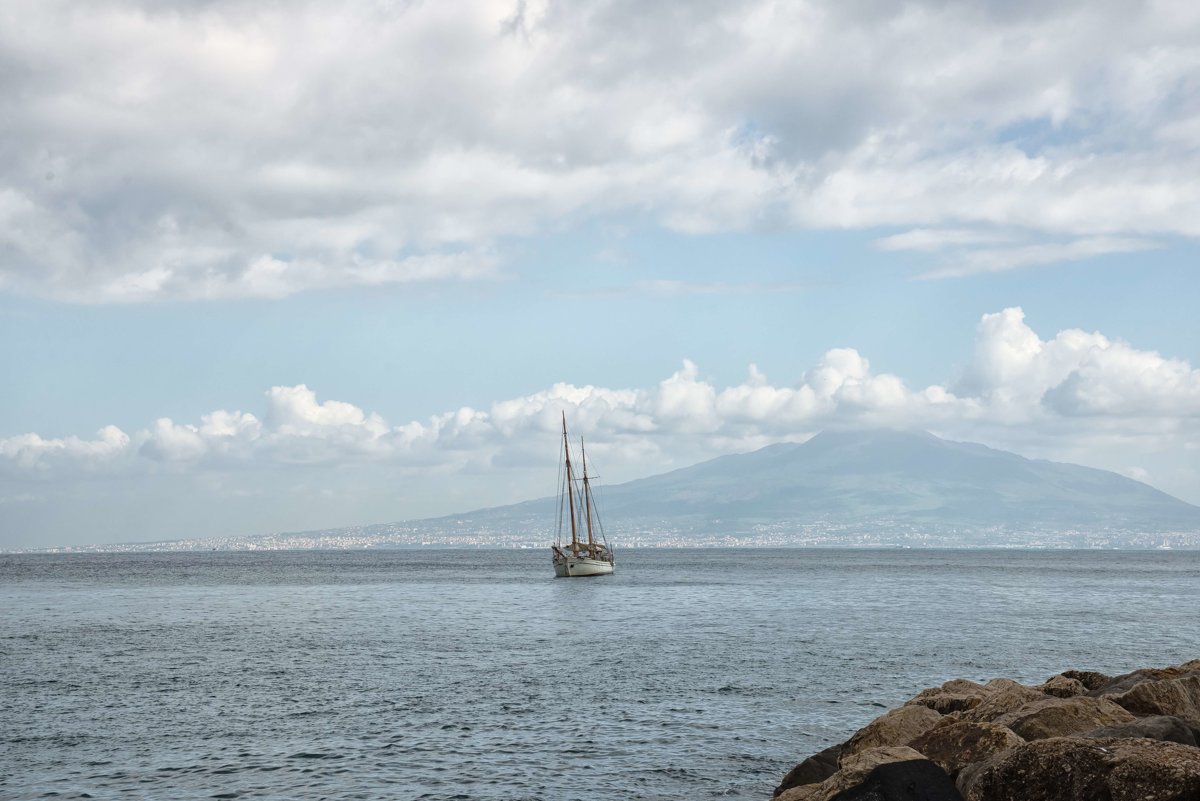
(579, 558)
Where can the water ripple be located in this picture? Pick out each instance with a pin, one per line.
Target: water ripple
(399, 674)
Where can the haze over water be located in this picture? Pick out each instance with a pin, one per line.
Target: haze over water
(474, 674)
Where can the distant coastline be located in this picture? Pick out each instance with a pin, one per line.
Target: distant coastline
(351, 540)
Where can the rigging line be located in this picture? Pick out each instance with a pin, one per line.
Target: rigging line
(561, 497)
(595, 504)
(570, 484)
(595, 512)
(588, 498)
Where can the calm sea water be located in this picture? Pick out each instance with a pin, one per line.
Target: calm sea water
(475, 675)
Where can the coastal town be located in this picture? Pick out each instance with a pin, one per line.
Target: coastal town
(463, 533)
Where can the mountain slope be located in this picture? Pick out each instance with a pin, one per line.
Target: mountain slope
(861, 476)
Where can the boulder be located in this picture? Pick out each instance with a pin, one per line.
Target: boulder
(1061, 686)
(1081, 735)
(1077, 769)
(918, 780)
(1156, 727)
(1003, 696)
(1179, 697)
(805, 792)
(956, 695)
(955, 744)
(1127, 681)
(895, 727)
(853, 771)
(1089, 678)
(817, 768)
(1058, 717)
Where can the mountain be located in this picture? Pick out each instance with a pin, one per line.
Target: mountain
(863, 488)
(869, 479)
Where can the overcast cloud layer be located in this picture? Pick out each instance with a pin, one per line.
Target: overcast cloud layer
(1076, 396)
(225, 149)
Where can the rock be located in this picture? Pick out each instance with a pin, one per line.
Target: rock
(1126, 682)
(1077, 769)
(1179, 697)
(966, 777)
(1058, 717)
(955, 744)
(1089, 678)
(919, 780)
(896, 727)
(956, 695)
(1081, 735)
(853, 771)
(817, 768)
(805, 792)
(1003, 696)
(1062, 686)
(1156, 727)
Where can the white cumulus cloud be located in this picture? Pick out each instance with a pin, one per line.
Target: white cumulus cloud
(1077, 395)
(1019, 375)
(34, 454)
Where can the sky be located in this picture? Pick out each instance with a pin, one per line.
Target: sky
(274, 266)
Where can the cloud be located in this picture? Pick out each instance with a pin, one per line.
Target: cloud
(929, 240)
(1113, 379)
(31, 454)
(1019, 376)
(227, 436)
(1076, 396)
(225, 149)
(991, 260)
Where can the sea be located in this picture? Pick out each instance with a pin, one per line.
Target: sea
(474, 674)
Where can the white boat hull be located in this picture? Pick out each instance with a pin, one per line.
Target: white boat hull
(573, 566)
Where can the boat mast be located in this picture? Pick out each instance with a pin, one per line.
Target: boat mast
(587, 496)
(570, 485)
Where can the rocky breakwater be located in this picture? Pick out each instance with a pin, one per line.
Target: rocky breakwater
(1079, 736)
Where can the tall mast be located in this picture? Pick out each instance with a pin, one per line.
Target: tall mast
(570, 485)
(587, 495)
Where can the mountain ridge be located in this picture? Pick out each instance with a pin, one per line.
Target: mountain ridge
(864, 488)
(854, 476)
